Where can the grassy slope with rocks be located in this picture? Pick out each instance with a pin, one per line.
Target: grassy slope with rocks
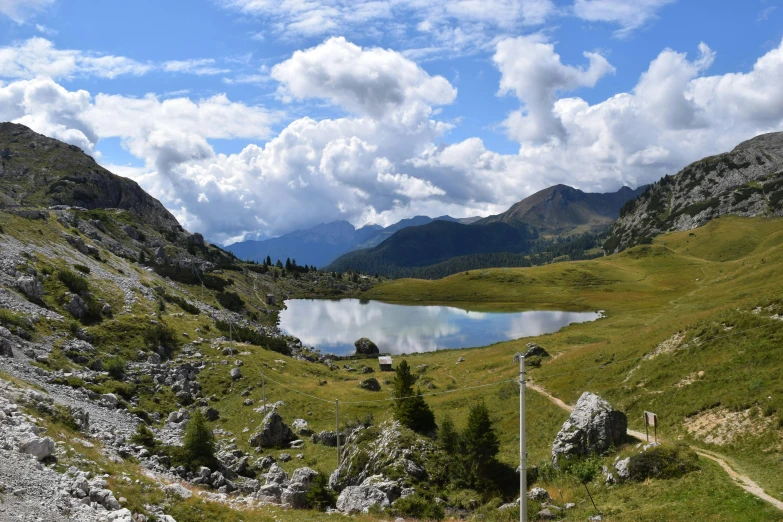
(691, 332)
(649, 293)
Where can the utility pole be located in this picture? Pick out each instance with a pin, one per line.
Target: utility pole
(263, 390)
(337, 427)
(522, 444)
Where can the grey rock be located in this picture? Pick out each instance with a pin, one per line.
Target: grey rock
(236, 374)
(284, 457)
(301, 427)
(327, 438)
(75, 306)
(546, 514)
(276, 475)
(304, 476)
(40, 448)
(30, 287)
(295, 495)
(211, 414)
(359, 499)
(538, 494)
(365, 346)
(274, 432)
(621, 467)
(592, 427)
(370, 384)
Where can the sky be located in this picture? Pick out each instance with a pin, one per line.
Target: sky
(253, 118)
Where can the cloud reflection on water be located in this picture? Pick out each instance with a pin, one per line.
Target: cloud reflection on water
(333, 326)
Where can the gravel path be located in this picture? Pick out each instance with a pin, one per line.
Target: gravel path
(743, 481)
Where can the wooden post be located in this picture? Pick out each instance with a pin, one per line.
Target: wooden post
(522, 444)
(337, 427)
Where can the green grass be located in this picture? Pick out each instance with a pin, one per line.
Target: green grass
(701, 282)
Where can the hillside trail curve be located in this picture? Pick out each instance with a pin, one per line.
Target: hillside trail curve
(743, 481)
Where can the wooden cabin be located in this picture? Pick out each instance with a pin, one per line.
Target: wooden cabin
(385, 362)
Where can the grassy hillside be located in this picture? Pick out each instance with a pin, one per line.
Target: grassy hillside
(692, 332)
(707, 285)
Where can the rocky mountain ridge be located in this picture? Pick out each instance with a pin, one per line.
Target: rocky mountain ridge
(39, 171)
(747, 181)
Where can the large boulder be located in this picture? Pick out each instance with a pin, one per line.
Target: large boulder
(274, 432)
(389, 449)
(6, 346)
(30, 287)
(593, 427)
(365, 346)
(39, 447)
(370, 384)
(327, 438)
(295, 494)
(359, 499)
(75, 305)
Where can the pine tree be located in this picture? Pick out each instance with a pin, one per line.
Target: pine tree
(268, 261)
(480, 443)
(410, 410)
(198, 442)
(448, 435)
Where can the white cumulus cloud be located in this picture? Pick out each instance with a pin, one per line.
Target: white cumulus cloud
(371, 81)
(22, 10)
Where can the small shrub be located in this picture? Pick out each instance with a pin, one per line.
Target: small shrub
(320, 496)
(115, 366)
(74, 282)
(144, 437)
(231, 301)
(82, 268)
(161, 334)
(416, 506)
(663, 462)
(199, 443)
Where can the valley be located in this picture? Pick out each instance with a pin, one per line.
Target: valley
(120, 330)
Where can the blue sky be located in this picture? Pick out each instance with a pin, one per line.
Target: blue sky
(251, 118)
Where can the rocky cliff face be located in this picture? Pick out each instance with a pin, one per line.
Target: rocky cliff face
(748, 181)
(42, 172)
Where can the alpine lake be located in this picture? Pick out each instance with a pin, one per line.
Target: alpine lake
(332, 326)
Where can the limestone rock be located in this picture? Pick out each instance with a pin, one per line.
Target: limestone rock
(359, 499)
(592, 427)
(538, 494)
(236, 374)
(75, 305)
(365, 346)
(39, 447)
(274, 432)
(30, 287)
(301, 427)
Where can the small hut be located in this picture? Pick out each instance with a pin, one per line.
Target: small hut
(385, 362)
(270, 299)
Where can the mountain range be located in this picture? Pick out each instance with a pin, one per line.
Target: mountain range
(324, 243)
(549, 219)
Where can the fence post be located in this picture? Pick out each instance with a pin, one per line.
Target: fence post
(522, 444)
(337, 427)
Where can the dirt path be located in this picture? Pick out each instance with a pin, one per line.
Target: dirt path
(743, 481)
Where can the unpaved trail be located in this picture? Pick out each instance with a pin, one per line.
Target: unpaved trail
(743, 481)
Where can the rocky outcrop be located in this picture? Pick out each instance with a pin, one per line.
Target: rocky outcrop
(389, 450)
(748, 181)
(274, 432)
(327, 438)
(593, 427)
(373, 491)
(364, 346)
(45, 172)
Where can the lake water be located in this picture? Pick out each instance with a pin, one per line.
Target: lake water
(333, 326)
